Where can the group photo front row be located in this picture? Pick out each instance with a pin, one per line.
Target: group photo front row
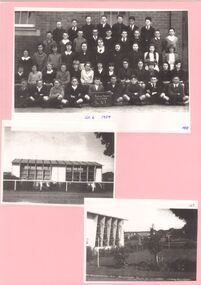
(120, 65)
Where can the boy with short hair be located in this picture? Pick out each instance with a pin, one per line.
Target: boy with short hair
(125, 72)
(38, 92)
(75, 93)
(73, 30)
(58, 32)
(103, 26)
(48, 43)
(134, 92)
(132, 27)
(88, 28)
(175, 94)
(22, 94)
(54, 58)
(118, 27)
(40, 58)
(116, 89)
(147, 33)
(77, 43)
(63, 75)
(55, 97)
(154, 92)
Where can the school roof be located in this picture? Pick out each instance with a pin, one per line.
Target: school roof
(56, 162)
(108, 216)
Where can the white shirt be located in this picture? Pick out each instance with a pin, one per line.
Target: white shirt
(39, 88)
(65, 41)
(26, 58)
(100, 49)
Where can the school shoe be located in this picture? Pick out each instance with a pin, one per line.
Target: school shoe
(186, 100)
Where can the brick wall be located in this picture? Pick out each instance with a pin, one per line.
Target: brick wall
(162, 20)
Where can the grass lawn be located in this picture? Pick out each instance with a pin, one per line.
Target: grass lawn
(107, 271)
(51, 197)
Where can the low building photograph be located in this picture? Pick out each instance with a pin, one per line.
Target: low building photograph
(140, 240)
(57, 167)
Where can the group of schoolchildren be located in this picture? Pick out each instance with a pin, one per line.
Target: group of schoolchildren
(135, 66)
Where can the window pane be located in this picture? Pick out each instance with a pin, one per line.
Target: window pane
(25, 18)
(84, 173)
(17, 17)
(39, 174)
(68, 173)
(91, 173)
(76, 176)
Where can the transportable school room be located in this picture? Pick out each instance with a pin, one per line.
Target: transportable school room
(57, 170)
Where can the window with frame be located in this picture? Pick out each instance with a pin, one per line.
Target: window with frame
(84, 173)
(25, 19)
(91, 173)
(76, 173)
(24, 170)
(69, 173)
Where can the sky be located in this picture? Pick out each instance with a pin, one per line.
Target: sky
(139, 215)
(55, 146)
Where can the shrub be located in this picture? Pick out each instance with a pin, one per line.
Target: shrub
(90, 253)
(120, 256)
(183, 265)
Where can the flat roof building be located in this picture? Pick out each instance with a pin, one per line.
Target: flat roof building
(104, 231)
(57, 170)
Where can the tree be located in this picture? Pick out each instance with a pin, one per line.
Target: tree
(153, 244)
(190, 217)
(107, 139)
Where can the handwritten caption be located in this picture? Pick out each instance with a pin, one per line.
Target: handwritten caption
(97, 117)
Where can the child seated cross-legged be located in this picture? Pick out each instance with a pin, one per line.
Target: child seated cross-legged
(39, 92)
(154, 92)
(22, 95)
(134, 92)
(116, 89)
(176, 94)
(75, 93)
(55, 97)
(96, 87)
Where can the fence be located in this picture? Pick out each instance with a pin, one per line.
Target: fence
(47, 185)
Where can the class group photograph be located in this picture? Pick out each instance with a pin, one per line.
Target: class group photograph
(132, 63)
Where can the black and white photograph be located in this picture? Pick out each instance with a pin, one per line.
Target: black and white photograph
(56, 167)
(103, 65)
(140, 240)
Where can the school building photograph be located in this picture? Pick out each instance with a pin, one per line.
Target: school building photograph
(76, 62)
(140, 240)
(57, 167)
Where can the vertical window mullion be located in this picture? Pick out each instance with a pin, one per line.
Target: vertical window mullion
(20, 17)
(27, 21)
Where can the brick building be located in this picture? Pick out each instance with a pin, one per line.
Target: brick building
(31, 26)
